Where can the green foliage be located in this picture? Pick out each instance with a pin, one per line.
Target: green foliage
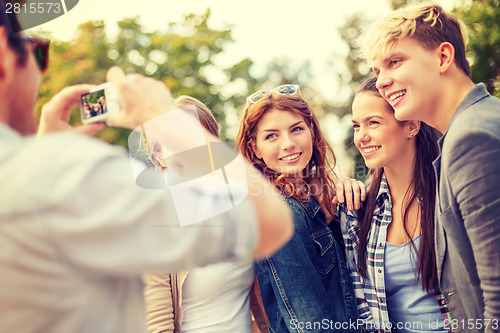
(396, 4)
(358, 70)
(482, 18)
(182, 57)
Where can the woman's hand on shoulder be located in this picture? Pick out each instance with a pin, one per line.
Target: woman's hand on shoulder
(349, 191)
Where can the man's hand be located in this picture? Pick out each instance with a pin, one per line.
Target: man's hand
(141, 98)
(56, 113)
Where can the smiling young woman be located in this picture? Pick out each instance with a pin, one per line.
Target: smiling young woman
(283, 142)
(390, 243)
(307, 282)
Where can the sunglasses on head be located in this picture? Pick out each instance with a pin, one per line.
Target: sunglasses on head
(286, 89)
(40, 51)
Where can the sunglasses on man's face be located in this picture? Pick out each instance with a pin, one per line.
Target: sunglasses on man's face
(40, 51)
(286, 89)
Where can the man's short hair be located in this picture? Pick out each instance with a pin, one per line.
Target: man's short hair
(427, 24)
(9, 22)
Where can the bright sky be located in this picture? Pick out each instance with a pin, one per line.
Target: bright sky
(263, 30)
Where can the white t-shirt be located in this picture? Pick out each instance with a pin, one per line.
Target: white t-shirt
(216, 298)
(76, 234)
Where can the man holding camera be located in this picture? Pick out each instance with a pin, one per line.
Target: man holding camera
(76, 232)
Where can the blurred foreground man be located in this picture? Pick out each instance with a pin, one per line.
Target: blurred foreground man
(76, 232)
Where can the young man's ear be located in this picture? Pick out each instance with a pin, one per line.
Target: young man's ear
(413, 128)
(446, 55)
(255, 150)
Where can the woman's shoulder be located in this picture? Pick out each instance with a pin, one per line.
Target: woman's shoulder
(307, 207)
(307, 216)
(349, 219)
(298, 211)
(344, 213)
(294, 203)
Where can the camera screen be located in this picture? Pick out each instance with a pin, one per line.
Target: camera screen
(94, 104)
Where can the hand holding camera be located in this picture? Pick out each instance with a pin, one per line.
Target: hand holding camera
(140, 98)
(56, 113)
(125, 101)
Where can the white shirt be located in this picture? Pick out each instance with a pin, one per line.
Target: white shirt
(76, 234)
(216, 299)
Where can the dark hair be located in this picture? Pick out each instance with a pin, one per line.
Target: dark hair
(421, 189)
(322, 160)
(11, 24)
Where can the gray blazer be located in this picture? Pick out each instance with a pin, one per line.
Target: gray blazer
(468, 213)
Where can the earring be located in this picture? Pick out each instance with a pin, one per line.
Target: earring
(411, 134)
(162, 163)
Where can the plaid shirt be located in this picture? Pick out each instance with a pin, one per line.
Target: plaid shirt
(370, 293)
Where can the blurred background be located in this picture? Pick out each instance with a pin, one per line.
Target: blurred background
(221, 51)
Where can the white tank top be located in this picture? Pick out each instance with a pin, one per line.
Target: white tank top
(216, 299)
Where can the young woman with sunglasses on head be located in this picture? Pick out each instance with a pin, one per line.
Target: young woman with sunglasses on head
(390, 247)
(305, 287)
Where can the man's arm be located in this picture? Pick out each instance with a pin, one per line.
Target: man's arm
(142, 99)
(474, 175)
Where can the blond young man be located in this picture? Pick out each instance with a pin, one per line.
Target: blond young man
(418, 55)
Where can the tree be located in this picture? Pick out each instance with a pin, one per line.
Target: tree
(482, 18)
(277, 72)
(82, 60)
(182, 57)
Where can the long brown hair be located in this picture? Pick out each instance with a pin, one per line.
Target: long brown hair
(422, 189)
(320, 167)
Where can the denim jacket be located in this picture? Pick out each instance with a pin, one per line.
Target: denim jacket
(306, 285)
